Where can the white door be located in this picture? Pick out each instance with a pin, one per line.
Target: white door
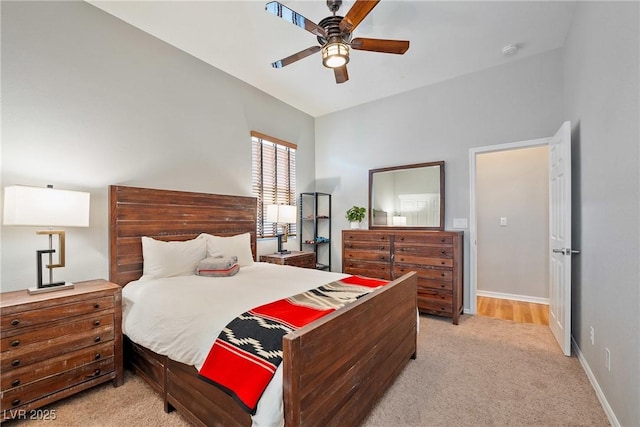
(560, 236)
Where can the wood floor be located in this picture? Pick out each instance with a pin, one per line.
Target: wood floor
(518, 311)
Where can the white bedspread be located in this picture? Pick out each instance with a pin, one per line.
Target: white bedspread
(180, 317)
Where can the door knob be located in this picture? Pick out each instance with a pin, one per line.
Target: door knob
(566, 251)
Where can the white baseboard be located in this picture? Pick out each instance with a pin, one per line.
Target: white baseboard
(594, 383)
(524, 298)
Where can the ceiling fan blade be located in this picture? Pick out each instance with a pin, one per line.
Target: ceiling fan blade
(341, 74)
(295, 18)
(356, 14)
(380, 45)
(295, 57)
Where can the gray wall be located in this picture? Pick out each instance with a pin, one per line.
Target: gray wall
(517, 101)
(513, 259)
(600, 69)
(89, 101)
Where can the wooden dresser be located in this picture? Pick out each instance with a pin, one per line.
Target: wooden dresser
(58, 343)
(436, 256)
(295, 258)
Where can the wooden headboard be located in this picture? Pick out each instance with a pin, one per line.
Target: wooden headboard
(169, 215)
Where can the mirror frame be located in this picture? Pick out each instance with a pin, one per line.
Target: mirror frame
(372, 172)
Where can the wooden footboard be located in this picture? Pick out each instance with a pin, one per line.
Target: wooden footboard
(336, 368)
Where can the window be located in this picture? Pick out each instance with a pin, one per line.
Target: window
(274, 178)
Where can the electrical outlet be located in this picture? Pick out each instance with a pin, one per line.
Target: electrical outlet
(607, 358)
(592, 335)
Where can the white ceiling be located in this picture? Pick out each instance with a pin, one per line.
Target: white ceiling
(448, 39)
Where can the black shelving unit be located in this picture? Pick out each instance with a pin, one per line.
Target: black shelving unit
(315, 227)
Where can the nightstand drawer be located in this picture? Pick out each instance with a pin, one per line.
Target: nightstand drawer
(24, 394)
(46, 332)
(32, 353)
(294, 258)
(23, 319)
(27, 374)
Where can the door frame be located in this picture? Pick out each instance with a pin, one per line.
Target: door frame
(473, 220)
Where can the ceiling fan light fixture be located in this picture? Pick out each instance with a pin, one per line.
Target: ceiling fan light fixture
(335, 54)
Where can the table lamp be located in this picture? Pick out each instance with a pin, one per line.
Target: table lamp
(47, 207)
(285, 215)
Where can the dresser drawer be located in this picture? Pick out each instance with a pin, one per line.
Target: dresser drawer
(437, 308)
(423, 261)
(365, 246)
(354, 236)
(369, 269)
(424, 238)
(355, 255)
(32, 353)
(445, 275)
(15, 321)
(435, 300)
(24, 394)
(435, 295)
(441, 285)
(27, 374)
(424, 251)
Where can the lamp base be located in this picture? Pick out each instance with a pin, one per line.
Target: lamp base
(283, 252)
(51, 288)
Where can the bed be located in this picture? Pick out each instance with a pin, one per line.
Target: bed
(316, 389)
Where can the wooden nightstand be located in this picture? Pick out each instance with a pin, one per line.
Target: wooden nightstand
(295, 258)
(58, 343)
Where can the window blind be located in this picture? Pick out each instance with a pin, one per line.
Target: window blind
(274, 178)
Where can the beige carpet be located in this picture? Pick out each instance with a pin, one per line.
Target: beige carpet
(483, 372)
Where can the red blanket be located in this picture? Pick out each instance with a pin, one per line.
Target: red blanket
(246, 354)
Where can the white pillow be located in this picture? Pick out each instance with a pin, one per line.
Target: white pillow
(238, 245)
(167, 259)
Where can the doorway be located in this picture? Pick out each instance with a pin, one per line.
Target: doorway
(509, 227)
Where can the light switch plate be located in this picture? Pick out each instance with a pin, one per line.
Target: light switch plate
(503, 221)
(460, 223)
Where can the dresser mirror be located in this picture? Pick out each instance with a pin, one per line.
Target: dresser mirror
(407, 197)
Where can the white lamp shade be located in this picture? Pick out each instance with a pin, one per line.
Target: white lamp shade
(399, 220)
(47, 207)
(281, 214)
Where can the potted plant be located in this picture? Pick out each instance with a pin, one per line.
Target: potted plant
(355, 215)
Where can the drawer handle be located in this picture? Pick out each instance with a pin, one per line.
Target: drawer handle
(96, 323)
(441, 296)
(96, 305)
(442, 274)
(442, 240)
(402, 238)
(442, 285)
(15, 343)
(15, 362)
(97, 356)
(444, 251)
(15, 402)
(441, 262)
(96, 339)
(95, 373)
(15, 383)
(382, 248)
(15, 322)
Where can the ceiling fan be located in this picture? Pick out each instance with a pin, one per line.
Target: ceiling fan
(334, 36)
